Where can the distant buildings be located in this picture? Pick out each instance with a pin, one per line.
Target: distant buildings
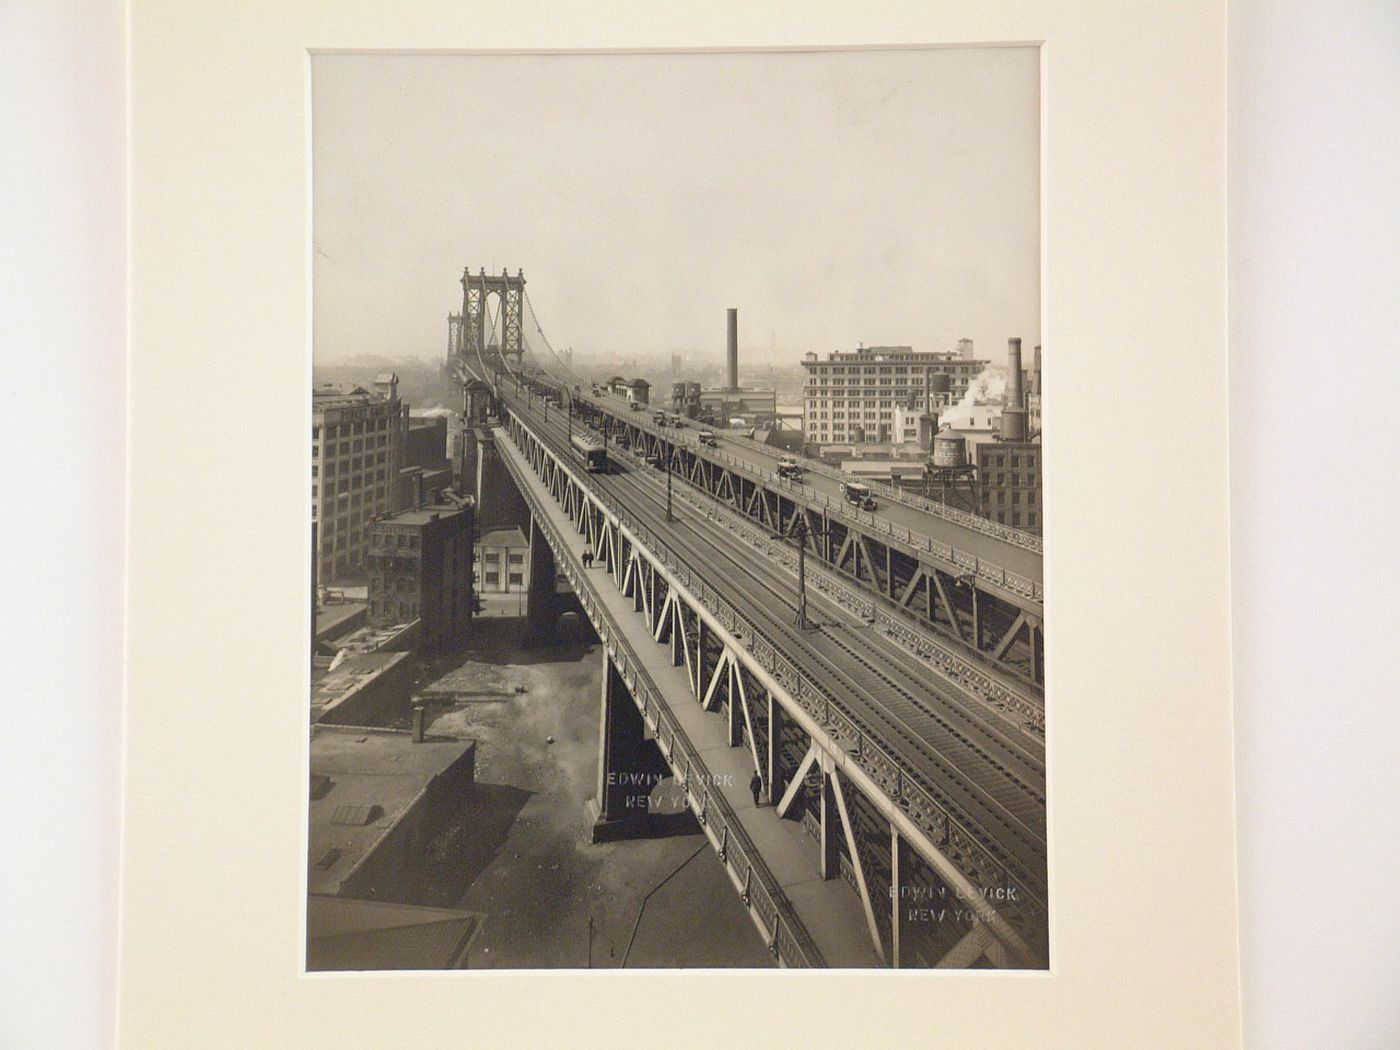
(420, 568)
(357, 448)
(638, 391)
(852, 395)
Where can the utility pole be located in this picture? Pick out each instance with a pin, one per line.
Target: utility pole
(800, 533)
(670, 455)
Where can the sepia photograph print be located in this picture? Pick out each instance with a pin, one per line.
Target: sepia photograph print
(676, 511)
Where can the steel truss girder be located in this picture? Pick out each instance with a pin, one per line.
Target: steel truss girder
(708, 676)
(879, 563)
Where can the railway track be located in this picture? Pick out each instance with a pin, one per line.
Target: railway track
(996, 787)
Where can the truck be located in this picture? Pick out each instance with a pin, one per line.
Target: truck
(789, 468)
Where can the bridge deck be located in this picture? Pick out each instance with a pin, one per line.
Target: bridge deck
(1008, 556)
(829, 909)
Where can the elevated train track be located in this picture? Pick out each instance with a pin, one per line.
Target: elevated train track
(991, 785)
(975, 590)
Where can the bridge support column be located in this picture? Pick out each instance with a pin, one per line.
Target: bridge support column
(499, 503)
(541, 603)
(626, 764)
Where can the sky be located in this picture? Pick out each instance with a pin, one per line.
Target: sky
(835, 198)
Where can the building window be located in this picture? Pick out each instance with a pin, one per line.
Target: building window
(493, 579)
(516, 579)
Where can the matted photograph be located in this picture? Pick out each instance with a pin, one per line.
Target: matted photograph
(676, 511)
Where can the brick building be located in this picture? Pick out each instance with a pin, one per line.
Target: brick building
(1008, 483)
(420, 567)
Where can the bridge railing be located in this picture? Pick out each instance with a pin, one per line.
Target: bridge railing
(980, 568)
(996, 874)
(976, 523)
(994, 693)
(789, 940)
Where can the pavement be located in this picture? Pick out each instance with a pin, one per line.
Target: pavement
(522, 853)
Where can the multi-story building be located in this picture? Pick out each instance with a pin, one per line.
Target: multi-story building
(503, 561)
(357, 442)
(420, 568)
(851, 395)
(1008, 483)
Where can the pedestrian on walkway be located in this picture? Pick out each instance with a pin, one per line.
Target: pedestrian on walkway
(756, 786)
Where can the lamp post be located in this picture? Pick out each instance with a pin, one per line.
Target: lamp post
(800, 534)
(798, 530)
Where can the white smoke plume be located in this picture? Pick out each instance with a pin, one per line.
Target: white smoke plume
(989, 387)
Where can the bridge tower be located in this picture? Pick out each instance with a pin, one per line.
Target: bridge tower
(472, 324)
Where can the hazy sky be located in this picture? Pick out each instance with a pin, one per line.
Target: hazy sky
(833, 197)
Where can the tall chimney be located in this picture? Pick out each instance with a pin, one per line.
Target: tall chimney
(1035, 377)
(418, 721)
(732, 362)
(1013, 416)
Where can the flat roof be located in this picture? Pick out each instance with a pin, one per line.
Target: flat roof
(372, 777)
(350, 674)
(343, 933)
(424, 514)
(511, 537)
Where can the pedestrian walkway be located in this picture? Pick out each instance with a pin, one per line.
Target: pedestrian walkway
(828, 908)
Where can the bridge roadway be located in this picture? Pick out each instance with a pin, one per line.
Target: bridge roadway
(1009, 556)
(826, 908)
(994, 783)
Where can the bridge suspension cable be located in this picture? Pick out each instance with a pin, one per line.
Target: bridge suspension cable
(560, 367)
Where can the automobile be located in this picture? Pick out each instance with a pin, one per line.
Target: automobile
(654, 460)
(858, 495)
(659, 418)
(677, 422)
(707, 438)
(789, 468)
(636, 406)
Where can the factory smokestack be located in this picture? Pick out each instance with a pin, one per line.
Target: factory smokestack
(732, 360)
(1013, 416)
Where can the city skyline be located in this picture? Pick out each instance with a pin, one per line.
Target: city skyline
(833, 197)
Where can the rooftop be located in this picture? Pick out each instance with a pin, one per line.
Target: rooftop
(330, 395)
(890, 353)
(424, 514)
(350, 674)
(347, 934)
(363, 781)
(511, 537)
